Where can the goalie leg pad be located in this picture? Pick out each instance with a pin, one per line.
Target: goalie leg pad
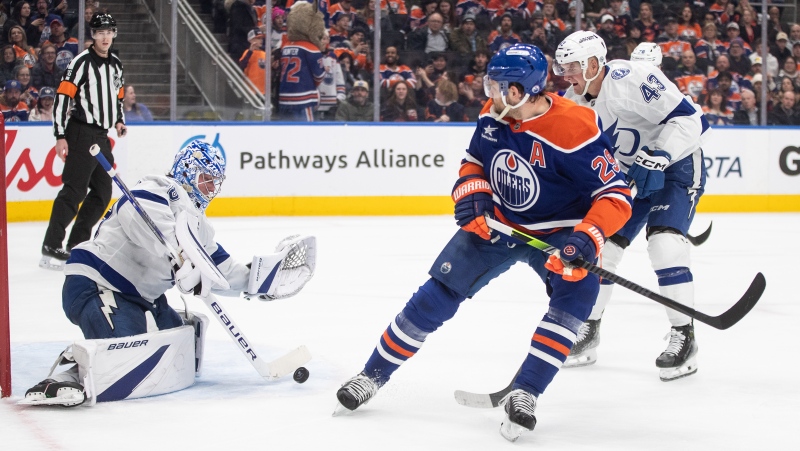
(199, 322)
(132, 367)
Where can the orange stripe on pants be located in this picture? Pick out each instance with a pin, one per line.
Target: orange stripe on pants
(395, 347)
(551, 343)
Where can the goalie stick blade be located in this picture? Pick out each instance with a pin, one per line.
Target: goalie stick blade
(740, 309)
(700, 239)
(287, 364)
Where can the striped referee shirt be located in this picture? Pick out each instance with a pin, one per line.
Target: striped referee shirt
(95, 86)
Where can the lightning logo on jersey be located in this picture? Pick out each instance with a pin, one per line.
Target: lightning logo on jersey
(514, 180)
(108, 302)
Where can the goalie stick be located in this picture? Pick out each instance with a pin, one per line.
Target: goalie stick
(269, 370)
(723, 321)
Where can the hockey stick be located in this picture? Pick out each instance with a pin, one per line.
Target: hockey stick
(484, 401)
(269, 370)
(700, 239)
(723, 321)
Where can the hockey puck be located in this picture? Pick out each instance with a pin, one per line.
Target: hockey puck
(300, 375)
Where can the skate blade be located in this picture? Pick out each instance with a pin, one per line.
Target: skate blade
(51, 263)
(69, 400)
(585, 358)
(340, 410)
(671, 374)
(511, 431)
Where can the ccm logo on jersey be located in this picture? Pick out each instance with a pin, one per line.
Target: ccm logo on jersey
(659, 208)
(650, 164)
(237, 335)
(127, 344)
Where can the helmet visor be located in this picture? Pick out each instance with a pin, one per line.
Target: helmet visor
(567, 69)
(494, 88)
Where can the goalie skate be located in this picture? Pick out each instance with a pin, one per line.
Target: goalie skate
(519, 406)
(53, 258)
(680, 358)
(50, 392)
(584, 352)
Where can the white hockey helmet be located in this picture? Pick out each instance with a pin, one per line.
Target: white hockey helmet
(649, 52)
(579, 47)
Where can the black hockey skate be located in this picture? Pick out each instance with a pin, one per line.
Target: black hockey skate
(519, 406)
(53, 258)
(51, 392)
(355, 392)
(680, 358)
(584, 352)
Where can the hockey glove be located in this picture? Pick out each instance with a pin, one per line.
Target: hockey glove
(190, 280)
(473, 197)
(585, 243)
(648, 170)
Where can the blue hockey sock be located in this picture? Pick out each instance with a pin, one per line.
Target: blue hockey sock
(399, 342)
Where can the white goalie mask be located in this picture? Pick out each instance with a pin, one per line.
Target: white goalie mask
(574, 53)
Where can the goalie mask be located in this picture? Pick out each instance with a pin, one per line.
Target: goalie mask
(200, 169)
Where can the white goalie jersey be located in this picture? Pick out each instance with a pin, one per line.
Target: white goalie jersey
(639, 106)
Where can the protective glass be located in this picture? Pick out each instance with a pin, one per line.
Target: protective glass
(568, 69)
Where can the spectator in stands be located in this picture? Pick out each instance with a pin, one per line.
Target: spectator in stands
(444, 107)
(43, 111)
(253, 61)
(358, 108)
(622, 19)
(87, 31)
(781, 49)
(609, 35)
(431, 37)
(42, 12)
(772, 66)
(785, 112)
(428, 76)
(346, 63)
(449, 15)
(749, 113)
(471, 96)
(24, 52)
(477, 66)
(503, 36)
(595, 9)
(688, 28)
(278, 27)
(646, 23)
(134, 112)
(774, 24)
(747, 27)
(21, 15)
(332, 89)
(756, 70)
(242, 19)
(343, 7)
(66, 48)
(13, 109)
(418, 15)
(362, 53)
(465, 40)
(716, 108)
(392, 71)
(794, 36)
(537, 35)
(739, 63)
(45, 72)
(9, 64)
(690, 79)
(29, 94)
(552, 24)
(789, 70)
(400, 106)
(340, 29)
(732, 32)
(708, 48)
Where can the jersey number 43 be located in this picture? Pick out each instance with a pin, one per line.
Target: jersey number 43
(650, 90)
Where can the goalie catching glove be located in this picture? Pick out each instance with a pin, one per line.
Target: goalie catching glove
(284, 273)
(585, 243)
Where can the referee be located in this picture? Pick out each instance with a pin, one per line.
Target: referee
(88, 103)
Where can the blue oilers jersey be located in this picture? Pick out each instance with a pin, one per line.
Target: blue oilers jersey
(549, 171)
(302, 70)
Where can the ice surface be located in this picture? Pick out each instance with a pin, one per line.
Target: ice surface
(745, 396)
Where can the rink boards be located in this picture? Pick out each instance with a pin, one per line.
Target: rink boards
(344, 169)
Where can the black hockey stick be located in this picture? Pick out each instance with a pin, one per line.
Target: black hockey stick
(268, 370)
(700, 239)
(723, 321)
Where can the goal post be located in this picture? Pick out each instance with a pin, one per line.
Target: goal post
(5, 330)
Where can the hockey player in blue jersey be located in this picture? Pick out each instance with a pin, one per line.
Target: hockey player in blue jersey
(537, 162)
(657, 135)
(122, 274)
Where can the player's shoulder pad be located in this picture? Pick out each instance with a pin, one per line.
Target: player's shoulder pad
(567, 126)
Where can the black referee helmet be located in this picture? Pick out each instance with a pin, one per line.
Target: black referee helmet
(103, 21)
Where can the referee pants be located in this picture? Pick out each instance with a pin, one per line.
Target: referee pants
(84, 181)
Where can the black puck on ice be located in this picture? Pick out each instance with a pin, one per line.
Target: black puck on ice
(300, 375)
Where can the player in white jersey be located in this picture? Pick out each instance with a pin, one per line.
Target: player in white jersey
(115, 279)
(657, 136)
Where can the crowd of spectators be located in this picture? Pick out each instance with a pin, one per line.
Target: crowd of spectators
(434, 52)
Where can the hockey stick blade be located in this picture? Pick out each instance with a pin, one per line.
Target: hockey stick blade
(287, 364)
(484, 401)
(723, 321)
(700, 239)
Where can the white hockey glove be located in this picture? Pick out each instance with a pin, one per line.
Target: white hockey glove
(190, 279)
(284, 273)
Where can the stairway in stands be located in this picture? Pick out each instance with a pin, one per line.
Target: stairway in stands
(147, 63)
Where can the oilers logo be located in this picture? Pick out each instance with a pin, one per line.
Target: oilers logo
(63, 57)
(514, 181)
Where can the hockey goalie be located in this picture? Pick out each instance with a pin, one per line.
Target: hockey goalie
(135, 344)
